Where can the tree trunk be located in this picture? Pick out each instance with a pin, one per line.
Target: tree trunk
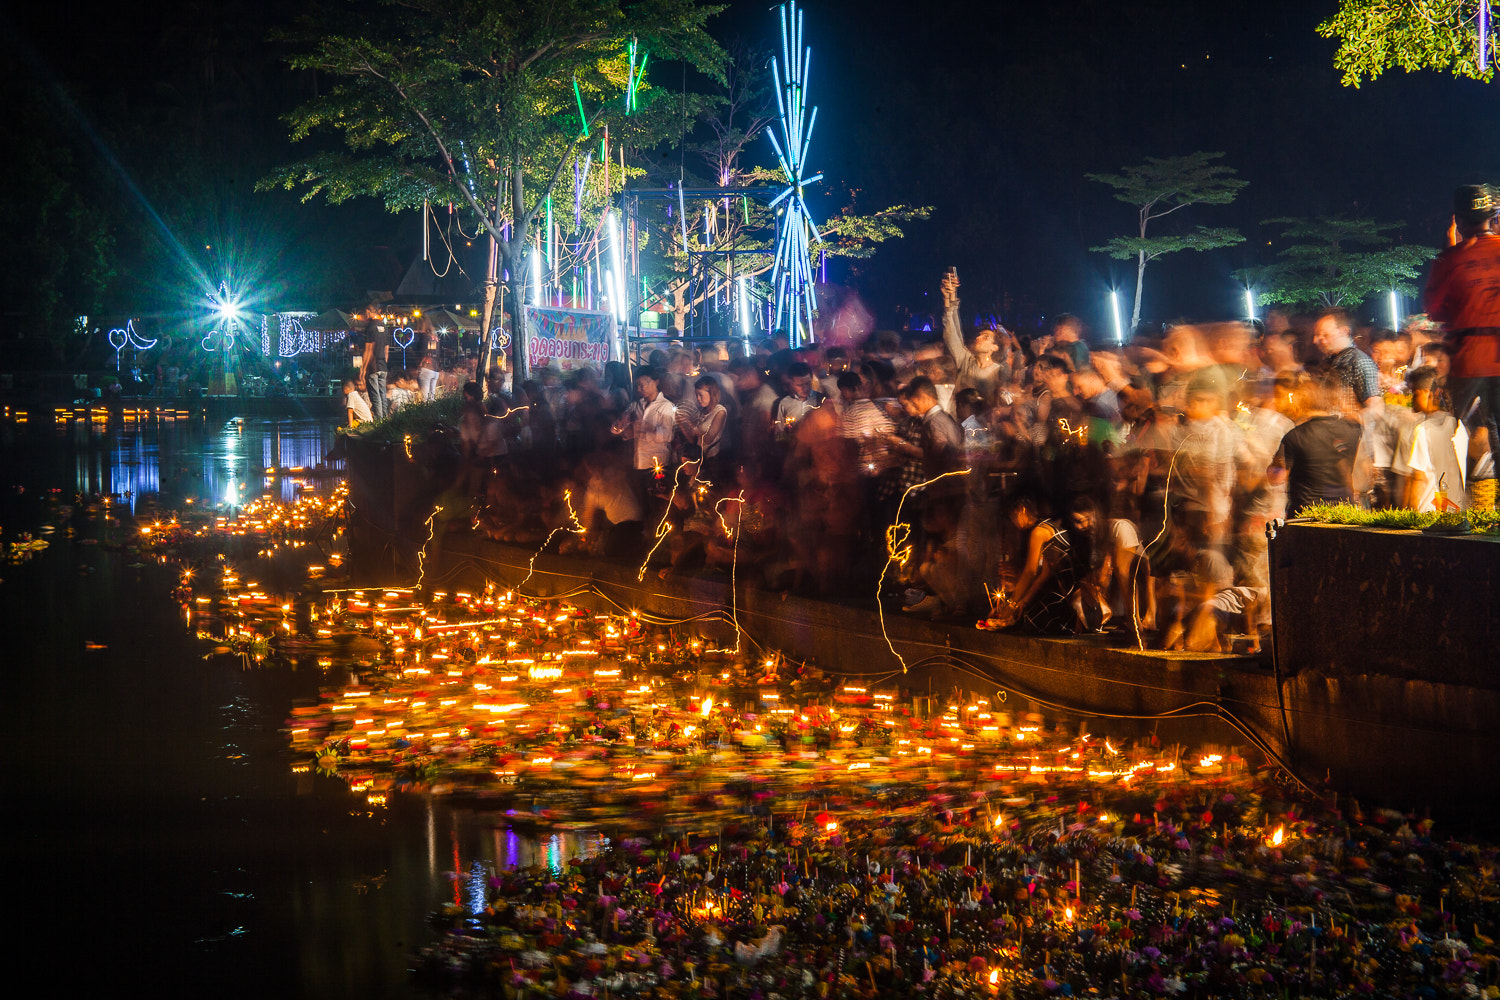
(518, 365)
(482, 370)
(517, 259)
(487, 316)
(679, 307)
(1140, 277)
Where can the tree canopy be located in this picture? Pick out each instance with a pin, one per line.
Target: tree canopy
(1338, 262)
(1377, 35)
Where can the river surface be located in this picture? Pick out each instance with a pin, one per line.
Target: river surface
(155, 831)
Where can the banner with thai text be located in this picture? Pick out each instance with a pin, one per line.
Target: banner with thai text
(568, 338)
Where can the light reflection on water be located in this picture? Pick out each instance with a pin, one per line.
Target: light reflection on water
(209, 461)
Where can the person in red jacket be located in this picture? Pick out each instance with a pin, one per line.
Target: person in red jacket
(1463, 293)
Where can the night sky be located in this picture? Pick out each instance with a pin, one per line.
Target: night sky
(990, 112)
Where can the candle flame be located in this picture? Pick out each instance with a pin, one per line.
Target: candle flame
(1278, 836)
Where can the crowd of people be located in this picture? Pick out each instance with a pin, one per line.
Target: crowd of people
(1040, 483)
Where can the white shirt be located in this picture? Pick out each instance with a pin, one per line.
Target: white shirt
(1436, 446)
(355, 400)
(651, 427)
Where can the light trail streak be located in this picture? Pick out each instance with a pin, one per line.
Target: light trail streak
(422, 555)
(575, 527)
(664, 527)
(898, 551)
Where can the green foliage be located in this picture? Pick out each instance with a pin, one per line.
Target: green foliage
(1399, 519)
(441, 100)
(857, 237)
(1162, 185)
(1376, 35)
(1151, 247)
(416, 419)
(1337, 262)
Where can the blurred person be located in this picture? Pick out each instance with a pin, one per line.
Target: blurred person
(1053, 395)
(940, 441)
(1038, 593)
(1317, 456)
(609, 509)
(1092, 554)
(866, 424)
(975, 355)
(356, 408)
(1333, 336)
(799, 399)
(1067, 335)
(1109, 362)
(1208, 448)
(428, 376)
(714, 362)
(1463, 293)
(1390, 354)
(835, 363)
(1433, 450)
(1235, 610)
(757, 401)
(1264, 499)
(1098, 399)
(1130, 592)
(1421, 331)
(707, 431)
(540, 434)
(649, 424)
(1278, 353)
(942, 370)
(616, 387)
(377, 355)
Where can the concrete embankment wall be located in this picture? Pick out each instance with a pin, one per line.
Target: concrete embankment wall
(1404, 734)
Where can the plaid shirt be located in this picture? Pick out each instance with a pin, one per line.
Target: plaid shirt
(911, 471)
(1358, 372)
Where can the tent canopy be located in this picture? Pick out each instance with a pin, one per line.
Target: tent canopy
(331, 320)
(434, 320)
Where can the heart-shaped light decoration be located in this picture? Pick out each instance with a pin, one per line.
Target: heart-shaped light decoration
(411, 335)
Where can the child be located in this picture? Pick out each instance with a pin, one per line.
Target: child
(1432, 451)
(355, 405)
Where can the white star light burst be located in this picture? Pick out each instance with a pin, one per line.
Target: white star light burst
(792, 275)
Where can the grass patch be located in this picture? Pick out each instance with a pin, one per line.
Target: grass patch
(1399, 519)
(416, 419)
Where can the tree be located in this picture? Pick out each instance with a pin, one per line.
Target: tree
(1158, 188)
(478, 103)
(1322, 267)
(59, 254)
(1376, 35)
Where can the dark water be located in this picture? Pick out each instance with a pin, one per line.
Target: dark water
(155, 831)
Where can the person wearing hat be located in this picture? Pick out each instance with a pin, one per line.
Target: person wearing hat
(1463, 293)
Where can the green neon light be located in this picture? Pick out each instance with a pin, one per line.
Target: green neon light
(583, 119)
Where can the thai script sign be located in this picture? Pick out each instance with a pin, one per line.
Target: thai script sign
(568, 338)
